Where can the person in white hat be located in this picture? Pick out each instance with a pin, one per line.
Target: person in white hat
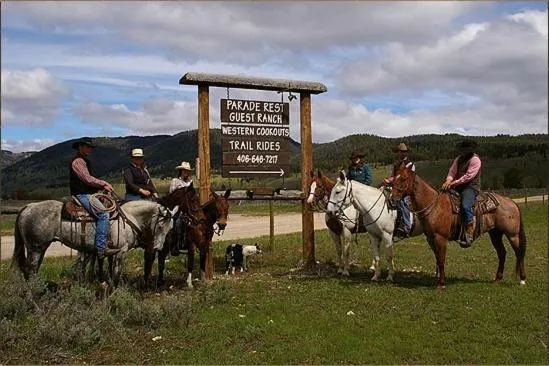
(183, 178)
(139, 184)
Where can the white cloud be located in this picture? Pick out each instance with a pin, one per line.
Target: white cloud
(18, 146)
(31, 97)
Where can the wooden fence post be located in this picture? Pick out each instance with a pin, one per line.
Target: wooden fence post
(271, 226)
(308, 233)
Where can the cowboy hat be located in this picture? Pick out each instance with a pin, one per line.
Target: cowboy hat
(401, 147)
(184, 165)
(356, 154)
(137, 153)
(83, 141)
(466, 144)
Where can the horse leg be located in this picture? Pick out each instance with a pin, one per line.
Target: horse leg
(337, 239)
(518, 242)
(34, 260)
(345, 252)
(190, 266)
(203, 263)
(439, 245)
(161, 264)
(149, 260)
(118, 262)
(388, 240)
(374, 244)
(496, 238)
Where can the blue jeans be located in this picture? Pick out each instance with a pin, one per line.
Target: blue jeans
(468, 197)
(102, 223)
(133, 197)
(402, 207)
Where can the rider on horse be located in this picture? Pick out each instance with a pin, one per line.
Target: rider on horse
(183, 179)
(139, 184)
(464, 177)
(358, 170)
(402, 204)
(82, 185)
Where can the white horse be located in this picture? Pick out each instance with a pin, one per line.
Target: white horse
(39, 224)
(378, 218)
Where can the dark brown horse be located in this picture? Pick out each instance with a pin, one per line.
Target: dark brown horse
(440, 224)
(198, 235)
(192, 216)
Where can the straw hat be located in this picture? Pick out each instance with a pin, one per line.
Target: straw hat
(184, 165)
(137, 153)
(401, 147)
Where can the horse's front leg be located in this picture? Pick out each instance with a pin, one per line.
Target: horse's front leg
(190, 265)
(117, 263)
(346, 239)
(161, 265)
(388, 240)
(440, 244)
(203, 252)
(375, 243)
(337, 243)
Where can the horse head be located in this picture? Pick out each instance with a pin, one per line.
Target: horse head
(402, 184)
(340, 197)
(186, 198)
(221, 205)
(319, 189)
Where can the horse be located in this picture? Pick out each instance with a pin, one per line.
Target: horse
(442, 225)
(39, 224)
(378, 218)
(199, 235)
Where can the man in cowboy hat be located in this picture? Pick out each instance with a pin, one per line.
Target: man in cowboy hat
(139, 185)
(464, 177)
(82, 185)
(183, 179)
(401, 151)
(358, 170)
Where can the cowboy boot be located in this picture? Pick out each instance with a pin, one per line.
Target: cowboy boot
(468, 235)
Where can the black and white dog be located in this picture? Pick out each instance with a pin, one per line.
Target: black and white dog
(237, 255)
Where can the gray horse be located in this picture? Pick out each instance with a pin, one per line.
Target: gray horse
(39, 224)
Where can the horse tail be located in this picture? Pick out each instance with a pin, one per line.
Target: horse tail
(19, 256)
(521, 253)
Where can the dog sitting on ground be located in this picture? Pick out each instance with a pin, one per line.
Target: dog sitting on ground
(236, 256)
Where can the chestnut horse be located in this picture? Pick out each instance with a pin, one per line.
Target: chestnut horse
(199, 234)
(440, 224)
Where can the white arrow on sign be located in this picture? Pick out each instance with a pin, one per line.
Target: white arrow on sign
(281, 171)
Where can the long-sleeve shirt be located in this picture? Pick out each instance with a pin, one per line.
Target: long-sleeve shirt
(137, 178)
(81, 170)
(472, 170)
(178, 183)
(361, 173)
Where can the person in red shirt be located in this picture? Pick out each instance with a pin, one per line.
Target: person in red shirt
(82, 185)
(464, 177)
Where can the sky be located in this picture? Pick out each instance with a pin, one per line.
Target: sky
(393, 69)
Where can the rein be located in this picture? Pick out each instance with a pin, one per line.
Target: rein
(408, 188)
(349, 193)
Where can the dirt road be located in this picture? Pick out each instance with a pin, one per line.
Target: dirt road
(239, 227)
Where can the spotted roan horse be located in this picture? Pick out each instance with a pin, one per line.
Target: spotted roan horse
(440, 224)
(39, 224)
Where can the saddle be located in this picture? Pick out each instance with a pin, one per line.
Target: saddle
(73, 210)
(485, 202)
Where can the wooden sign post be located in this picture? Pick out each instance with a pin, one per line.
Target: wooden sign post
(271, 153)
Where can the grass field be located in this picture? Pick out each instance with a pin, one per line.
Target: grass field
(275, 314)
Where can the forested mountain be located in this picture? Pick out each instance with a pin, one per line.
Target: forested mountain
(8, 158)
(508, 161)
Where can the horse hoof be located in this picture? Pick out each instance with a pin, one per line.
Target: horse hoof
(372, 268)
(390, 279)
(346, 274)
(523, 282)
(339, 271)
(375, 278)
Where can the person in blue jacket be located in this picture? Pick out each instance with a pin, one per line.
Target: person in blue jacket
(358, 170)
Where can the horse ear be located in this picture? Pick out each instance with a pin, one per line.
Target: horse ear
(342, 176)
(213, 193)
(227, 193)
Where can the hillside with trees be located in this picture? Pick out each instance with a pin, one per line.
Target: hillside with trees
(508, 161)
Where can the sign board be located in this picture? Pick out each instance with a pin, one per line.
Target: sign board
(255, 138)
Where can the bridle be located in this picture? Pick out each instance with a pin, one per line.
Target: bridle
(217, 230)
(319, 197)
(406, 188)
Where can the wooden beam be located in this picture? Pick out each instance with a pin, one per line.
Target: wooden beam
(204, 157)
(306, 168)
(248, 82)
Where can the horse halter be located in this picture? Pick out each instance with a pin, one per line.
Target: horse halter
(319, 198)
(343, 206)
(407, 188)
